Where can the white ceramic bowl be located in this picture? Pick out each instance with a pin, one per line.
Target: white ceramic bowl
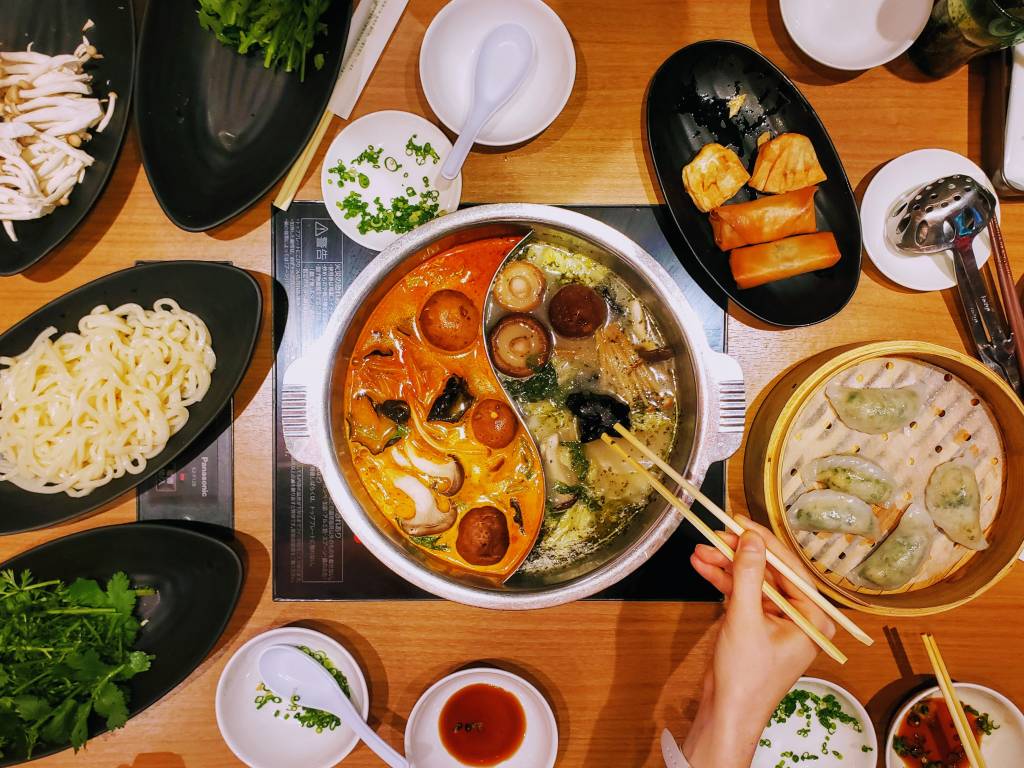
(784, 737)
(932, 272)
(256, 736)
(448, 57)
(422, 734)
(391, 130)
(1003, 747)
(854, 34)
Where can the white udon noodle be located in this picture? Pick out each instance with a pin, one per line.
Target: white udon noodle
(85, 408)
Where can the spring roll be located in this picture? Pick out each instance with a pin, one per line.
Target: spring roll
(764, 219)
(766, 263)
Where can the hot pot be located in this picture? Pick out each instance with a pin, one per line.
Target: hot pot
(711, 400)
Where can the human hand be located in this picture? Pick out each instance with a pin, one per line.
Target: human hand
(759, 653)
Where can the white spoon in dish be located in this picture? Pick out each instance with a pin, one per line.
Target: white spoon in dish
(288, 672)
(501, 67)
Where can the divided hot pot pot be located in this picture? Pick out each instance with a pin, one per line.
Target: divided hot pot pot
(709, 407)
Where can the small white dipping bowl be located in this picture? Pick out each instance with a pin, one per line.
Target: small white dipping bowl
(854, 34)
(1003, 747)
(846, 741)
(423, 735)
(448, 57)
(261, 740)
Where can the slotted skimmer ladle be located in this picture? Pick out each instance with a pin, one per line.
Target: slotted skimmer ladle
(946, 215)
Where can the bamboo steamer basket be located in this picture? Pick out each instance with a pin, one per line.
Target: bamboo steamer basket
(970, 573)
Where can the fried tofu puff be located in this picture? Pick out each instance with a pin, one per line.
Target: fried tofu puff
(713, 176)
(786, 163)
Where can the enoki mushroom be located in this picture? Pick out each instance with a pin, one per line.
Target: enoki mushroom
(46, 115)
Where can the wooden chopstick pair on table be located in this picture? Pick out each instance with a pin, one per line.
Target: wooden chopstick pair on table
(1008, 290)
(735, 527)
(956, 709)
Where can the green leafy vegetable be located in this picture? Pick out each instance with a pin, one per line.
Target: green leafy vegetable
(430, 542)
(543, 385)
(65, 654)
(284, 31)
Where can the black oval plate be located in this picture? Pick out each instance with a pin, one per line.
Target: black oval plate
(687, 108)
(55, 26)
(216, 129)
(198, 580)
(228, 300)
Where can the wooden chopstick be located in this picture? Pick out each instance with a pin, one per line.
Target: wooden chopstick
(736, 527)
(1011, 302)
(956, 710)
(770, 592)
(295, 176)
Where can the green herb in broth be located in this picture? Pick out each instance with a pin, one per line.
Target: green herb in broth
(543, 385)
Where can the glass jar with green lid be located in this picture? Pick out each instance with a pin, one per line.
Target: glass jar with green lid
(959, 30)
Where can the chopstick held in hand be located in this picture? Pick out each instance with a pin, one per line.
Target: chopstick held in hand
(780, 602)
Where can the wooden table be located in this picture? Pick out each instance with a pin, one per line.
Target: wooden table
(616, 673)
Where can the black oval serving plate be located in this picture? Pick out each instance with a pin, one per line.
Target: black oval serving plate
(228, 300)
(687, 107)
(55, 26)
(217, 129)
(198, 579)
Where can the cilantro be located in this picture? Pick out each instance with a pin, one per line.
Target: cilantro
(65, 654)
(283, 30)
(543, 385)
(578, 460)
(430, 542)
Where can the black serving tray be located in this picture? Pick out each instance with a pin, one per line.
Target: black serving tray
(54, 27)
(197, 578)
(687, 107)
(228, 300)
(216, 129)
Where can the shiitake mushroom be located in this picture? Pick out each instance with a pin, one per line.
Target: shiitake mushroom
(577, 311)
(519, 345)
(483, 537)
(597, 414)
(494, 423)
(519, 287)
(449, 320)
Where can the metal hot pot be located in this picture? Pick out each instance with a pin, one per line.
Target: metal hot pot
(711, 400)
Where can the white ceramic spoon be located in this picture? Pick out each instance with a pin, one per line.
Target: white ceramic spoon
(288, 672)
(504, 61)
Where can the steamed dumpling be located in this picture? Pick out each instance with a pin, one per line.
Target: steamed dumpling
(901, 556)
(876, 411)
(833, 512)
(851, 474)
(954, 502)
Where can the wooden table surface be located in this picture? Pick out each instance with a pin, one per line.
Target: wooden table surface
(616, 673)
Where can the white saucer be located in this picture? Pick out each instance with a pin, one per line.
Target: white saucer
(423, 738)
(1003, 746)
(448, 59)
(854, 34)
(899, 176)
(780, 737)
(391, 130)
(256, 736)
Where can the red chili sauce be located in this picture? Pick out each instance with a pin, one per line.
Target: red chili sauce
(482, 725)
(928, 736)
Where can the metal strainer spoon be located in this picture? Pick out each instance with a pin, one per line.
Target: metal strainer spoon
(946, 215)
